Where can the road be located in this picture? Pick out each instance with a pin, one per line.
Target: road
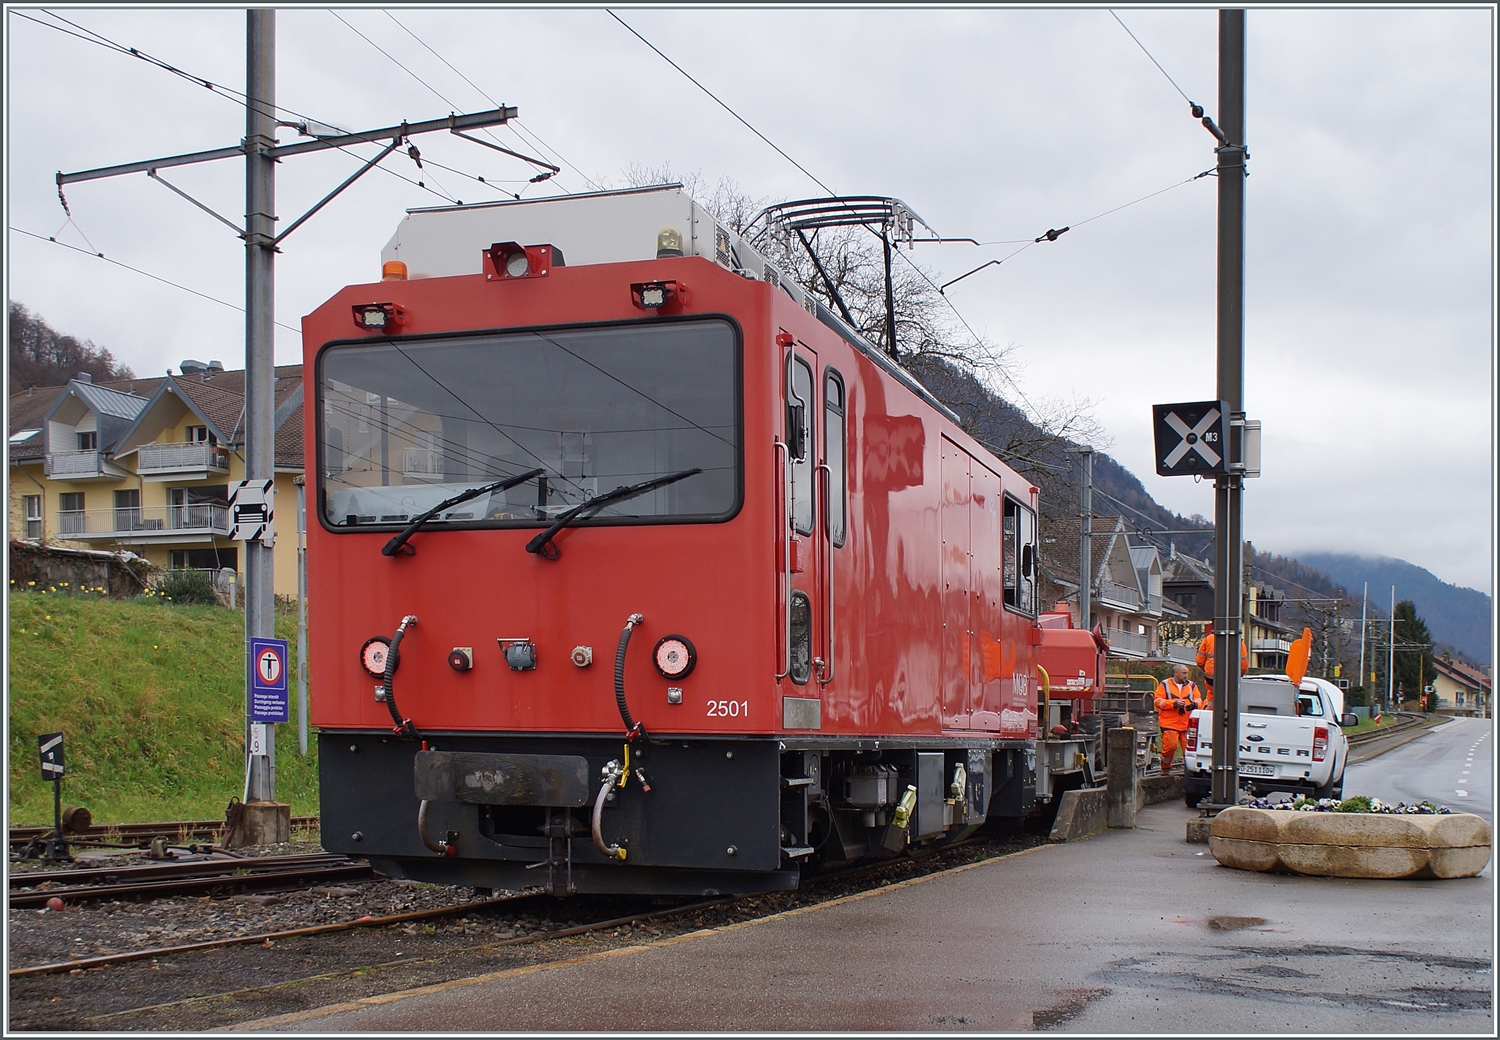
(1452, 765)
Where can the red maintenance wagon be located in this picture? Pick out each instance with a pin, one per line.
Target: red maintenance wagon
(637, 570)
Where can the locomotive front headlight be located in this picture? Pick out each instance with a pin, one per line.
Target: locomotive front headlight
(674, 657)
(372, 656)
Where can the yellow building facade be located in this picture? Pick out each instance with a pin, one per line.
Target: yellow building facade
(147, 466)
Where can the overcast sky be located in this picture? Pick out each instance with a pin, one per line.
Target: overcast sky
(1370, 295)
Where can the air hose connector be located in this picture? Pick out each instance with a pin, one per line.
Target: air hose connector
(612, 773)
(633, 729)
(403, 727)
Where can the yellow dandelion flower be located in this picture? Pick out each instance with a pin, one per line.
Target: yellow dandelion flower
(47, 618)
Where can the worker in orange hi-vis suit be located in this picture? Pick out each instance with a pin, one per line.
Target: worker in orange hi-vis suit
(1206, 664)
(1176, 700)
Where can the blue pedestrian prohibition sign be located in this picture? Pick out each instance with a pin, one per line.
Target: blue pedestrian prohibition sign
(268, 672)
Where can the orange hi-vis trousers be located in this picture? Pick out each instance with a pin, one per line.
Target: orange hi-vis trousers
(1171, 740)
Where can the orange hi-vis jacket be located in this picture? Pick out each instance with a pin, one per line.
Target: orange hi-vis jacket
(1167, 715)
(1206, 657)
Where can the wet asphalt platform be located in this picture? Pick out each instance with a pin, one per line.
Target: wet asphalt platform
(1129, 931)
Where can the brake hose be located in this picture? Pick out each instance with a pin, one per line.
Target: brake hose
(633, 728)
(403, 727)
(612, 774)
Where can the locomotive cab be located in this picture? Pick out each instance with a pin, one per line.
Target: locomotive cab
(644, 573)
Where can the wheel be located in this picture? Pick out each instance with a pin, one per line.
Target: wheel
(1333, 789)
(1192, 795)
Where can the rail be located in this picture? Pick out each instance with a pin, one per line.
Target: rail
(33, 889)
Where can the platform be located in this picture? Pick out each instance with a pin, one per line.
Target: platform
(1128, 931)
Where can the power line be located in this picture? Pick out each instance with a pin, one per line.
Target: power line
(720, 102)
(512, 125)
(1053, 234)
(137, 270)
(909, 262)
(1148, 54)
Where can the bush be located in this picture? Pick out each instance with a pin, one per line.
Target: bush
(188, 587)
(1359, 803)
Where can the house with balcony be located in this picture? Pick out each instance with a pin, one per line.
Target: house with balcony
(147, 465)
(1189, 583)
(1461, 689)
(1125, 583)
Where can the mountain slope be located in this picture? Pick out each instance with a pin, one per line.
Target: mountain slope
(1454, 614)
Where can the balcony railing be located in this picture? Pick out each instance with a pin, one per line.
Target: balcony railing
(180, 458)
(74, 464)
(1122, 594)
(1130, 643)
(417, 462)
(143, 520)
(1280, 646)
(1153, 604)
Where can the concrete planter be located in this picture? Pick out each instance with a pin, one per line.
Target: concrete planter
(1352, 845)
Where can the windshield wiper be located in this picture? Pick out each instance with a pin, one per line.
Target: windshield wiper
(542, 543)
(398, 543)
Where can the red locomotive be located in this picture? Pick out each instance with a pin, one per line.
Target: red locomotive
(637, 570)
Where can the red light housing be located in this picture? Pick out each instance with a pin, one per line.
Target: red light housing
(1320, 743)
(513, 260)
(379, 317)
(1190, 742)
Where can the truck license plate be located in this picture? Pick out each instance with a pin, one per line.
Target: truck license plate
(1258, 768)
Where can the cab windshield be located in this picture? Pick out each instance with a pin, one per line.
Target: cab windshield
(405, 425)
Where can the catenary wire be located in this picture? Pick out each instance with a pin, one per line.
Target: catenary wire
(137, 270)
(1148, 54)
(230, 94)
(513, 125)
(909, 262)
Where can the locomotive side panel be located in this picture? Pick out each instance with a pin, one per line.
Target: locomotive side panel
(930, 624)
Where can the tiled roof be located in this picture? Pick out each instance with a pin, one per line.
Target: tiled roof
(1060, 544)
(220, 398)
(27, 408)
(1463, 673)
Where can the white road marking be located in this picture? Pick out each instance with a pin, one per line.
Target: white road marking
(1462, 794)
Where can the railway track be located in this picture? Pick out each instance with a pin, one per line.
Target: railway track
(1405, 721)
(515, 903)
(215, 876)
(182, 831)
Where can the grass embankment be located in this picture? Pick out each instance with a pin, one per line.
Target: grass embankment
(150, 696)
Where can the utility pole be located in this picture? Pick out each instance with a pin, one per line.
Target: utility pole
(1390, 668)
(1086, 540)
(1229, 487)
(1364, 621)
(262, 242)
(260, 362)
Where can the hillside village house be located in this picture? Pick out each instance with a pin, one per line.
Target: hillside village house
(1190, 584)
(1125, 584)
(146, 465)
(1461, 689)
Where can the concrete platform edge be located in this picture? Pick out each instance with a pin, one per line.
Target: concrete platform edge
(295, 1017)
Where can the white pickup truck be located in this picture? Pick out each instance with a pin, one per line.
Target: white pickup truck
(1290, 740)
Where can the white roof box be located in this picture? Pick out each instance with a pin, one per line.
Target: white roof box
(597, 228)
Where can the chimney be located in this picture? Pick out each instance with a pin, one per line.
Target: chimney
(84, 377)
(215, 367)
(191, 367)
